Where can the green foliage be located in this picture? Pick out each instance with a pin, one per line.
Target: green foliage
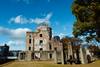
(87, 13)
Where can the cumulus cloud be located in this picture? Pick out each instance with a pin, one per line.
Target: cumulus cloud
(62, 35)
(18, 33)
(15, 37)
(42, 20)
(15, 42)
(20, 19)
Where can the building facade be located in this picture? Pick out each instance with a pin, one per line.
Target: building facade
(4, 51)
(40, 45)
(40, 41)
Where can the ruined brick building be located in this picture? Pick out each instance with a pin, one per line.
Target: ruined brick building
(40, 45)
(39, 41)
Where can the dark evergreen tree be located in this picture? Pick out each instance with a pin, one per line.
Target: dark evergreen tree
(87, 13)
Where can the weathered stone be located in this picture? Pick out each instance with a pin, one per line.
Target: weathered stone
(41, 46)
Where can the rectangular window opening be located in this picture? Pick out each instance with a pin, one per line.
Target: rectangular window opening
(40, 35)
(50, 56)
(30, 41)
(41, 41)
(29, 48)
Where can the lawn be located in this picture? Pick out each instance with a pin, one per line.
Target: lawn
(46, 64)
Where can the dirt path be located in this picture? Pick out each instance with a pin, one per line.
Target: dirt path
(47, 64)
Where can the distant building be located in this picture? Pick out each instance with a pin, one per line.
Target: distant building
(13, 54)
(4, 51)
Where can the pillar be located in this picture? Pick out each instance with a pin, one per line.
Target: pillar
(41, 55)
(55, 56)
(19, 56)
(29, 56)
(83, 56)
(70, 52)
(62, 55)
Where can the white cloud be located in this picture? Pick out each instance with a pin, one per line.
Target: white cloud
(15, 42)
(62, 35)
(18, 33)
(65, 35)
(42, 20)
(15, 37)
(20, 19)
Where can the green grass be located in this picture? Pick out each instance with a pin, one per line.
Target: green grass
(47, 64)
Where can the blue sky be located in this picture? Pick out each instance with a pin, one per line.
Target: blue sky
(19, 16)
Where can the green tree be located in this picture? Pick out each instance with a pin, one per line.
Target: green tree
(87, 13)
